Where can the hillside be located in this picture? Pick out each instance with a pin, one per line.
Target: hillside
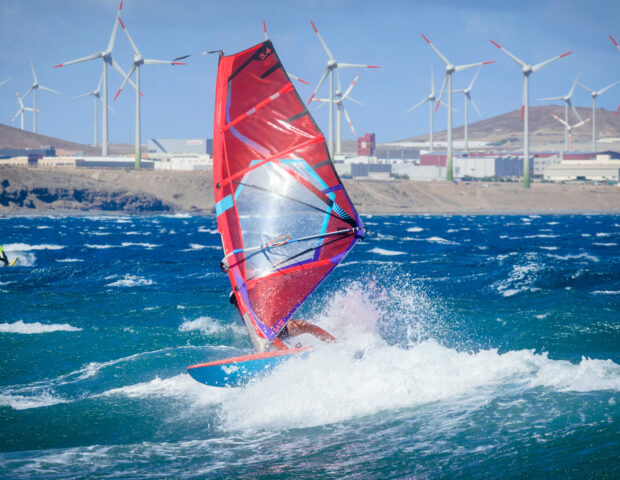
(11, 137)
(545, 131)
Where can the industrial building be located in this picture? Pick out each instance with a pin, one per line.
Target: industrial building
(158, 147)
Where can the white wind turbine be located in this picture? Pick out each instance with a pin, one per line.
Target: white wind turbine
(339, 99)
(567, 103)
(106, 57)
(527, 71)
(4, 81)
(467, 94)
(431, 99)
(138, 60)
(594, 95)
(568, 145)
(450, 69)
(96, 94)
(21, 110)
(332, 65)
(33, 88)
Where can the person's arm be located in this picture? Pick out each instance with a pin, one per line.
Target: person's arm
(299, 327)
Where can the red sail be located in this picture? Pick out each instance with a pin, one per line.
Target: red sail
(283, 214)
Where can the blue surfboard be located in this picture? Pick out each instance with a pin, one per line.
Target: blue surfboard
(238, 371)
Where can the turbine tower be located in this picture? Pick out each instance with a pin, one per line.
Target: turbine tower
(106, 57)
(34, 87)
(332, 65)
(568, 146)
(567, 104)
(138, 60)
(21, 110)
(527, 71)
(431, 99)
(467, 94)
(450, 69)
(339, 99)
(594, 95)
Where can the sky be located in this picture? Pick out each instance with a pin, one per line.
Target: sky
(178, 100)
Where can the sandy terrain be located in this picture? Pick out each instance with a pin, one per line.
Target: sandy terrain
(44, 191)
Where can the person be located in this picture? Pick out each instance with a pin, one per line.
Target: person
(294, 328)
(3, 258)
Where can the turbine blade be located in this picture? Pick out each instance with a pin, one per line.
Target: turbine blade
(78, 60)
(473, 80)
(319, 85)
(346, 94)
(297, 78)
(465, 67)
(114, 29)
(133, 45)
(475, 106)
(100, 82)
(443, 86)
(27, 93)
(616, 45)
(316, 30)
(133, 67)
(443, 59)
(572, 89)
(346, 115)
(265, 30)
(608, 87)
(4, 81)
(338, 80)
(83, 95)
(550, 99)
(355, 101)
(417, 105)
(34, 75)
(148, 61)
(355, 65)
(432, 83)
(516, 59)
(574, 110)
(19, 99)
(588, 89)
(547, 62)
(49, 90)
(560, 120)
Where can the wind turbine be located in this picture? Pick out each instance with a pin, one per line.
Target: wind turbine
(21, 110)
(106, 57)
(332, 65)
(96, 94)
(527, 71)
(138, 60)
(467, 94)
(450, 69)
(567, 104)
(34, 87)
(618, 47)
(339, 99)
(568, 146)
(431, 99)
(594, 95)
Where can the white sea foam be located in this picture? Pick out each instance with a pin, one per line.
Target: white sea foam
(541, 235)
(25, 402)
(441, 241)
(210, 326)
(36, 327)
(98, 247)
(131, 281)
(605, 244)
(520, 279)
(69, 260)
(415, 229)
(138, 244)
(339, 383)
(384, 252)
(24, 247)
(606, 292)
(197, 246)
(212, 231)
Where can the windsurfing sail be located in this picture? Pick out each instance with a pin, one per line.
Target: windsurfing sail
(284, 216)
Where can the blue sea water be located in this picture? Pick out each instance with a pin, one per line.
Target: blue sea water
(470, 347)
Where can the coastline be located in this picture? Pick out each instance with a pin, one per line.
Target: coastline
(85, 192)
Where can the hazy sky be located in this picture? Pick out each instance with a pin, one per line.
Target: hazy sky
(178, 101)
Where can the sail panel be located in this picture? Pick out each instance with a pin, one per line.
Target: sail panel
(283, 214)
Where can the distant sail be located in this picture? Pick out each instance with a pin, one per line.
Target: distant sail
(283, 214)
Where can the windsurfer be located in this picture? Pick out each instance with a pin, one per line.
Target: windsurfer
(294, 328)
(3, 258)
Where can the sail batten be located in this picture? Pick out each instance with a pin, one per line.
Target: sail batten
(284, 216)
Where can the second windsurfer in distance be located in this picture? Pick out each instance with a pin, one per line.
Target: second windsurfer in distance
(294, 328)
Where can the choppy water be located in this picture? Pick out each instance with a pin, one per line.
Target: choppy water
(491, 349)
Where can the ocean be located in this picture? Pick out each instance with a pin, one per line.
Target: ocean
(469, 347)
